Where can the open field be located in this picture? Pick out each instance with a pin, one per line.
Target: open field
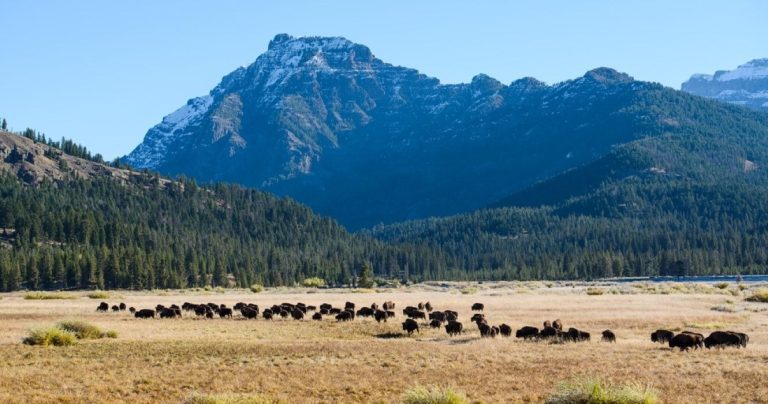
(362, 361)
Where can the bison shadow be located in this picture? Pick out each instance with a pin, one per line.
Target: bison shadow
(390, 335)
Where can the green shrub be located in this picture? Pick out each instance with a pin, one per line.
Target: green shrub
(722, 285)
(434, 395)
(197, 398)
(760, 295)
(313, 282)
(595, 391)
(257, 288)
(50, 336)
(595, 291)
(81, 329)
(98, 294)
(469, 290)
(111, 334)
(48, 296)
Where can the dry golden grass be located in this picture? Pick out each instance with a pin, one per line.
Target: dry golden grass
(362, 361)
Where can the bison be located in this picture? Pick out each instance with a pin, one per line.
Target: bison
(698, 337)
(225, 312)
(103, 306)
(505, 330)
(549, 332)
(683, 341)
(380, 315)
(428, 306)
(145, 313)
(365, 312)
(418, 314)
(527, 332)
(317, 317)
(267, 314)
(608, 336)
(477, 317)
(478, 307)
(722, 339)
(344, 316)
(547, 323)
(115, 308)
(410, 325)
(168, 313)
(132, 310)
(576, 335)
(453, 328)
(435, 324)
(558, 325)
(485, 329)
(248, 312)
(122, 306)
(297, 314)
(388, 305)
(325, 306)
(662, 336)
(349, 306)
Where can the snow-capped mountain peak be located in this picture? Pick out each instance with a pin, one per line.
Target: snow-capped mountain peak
(746, 85)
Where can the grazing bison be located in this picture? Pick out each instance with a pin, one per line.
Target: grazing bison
(505, 330)
(239, 305)
(743, 338)
(547, 323)
(408, 309)
(485, 329)
(380, 315)
(168, 313)
(527, 332)
(132, 310)
(683, 341)
(297, 314)
(115, 308)
(145, 313)
(428, 306)
(478, 307)
(201, 310)
(325, 306)
(334, 310)
(267, 314)
(410, 325)
(317, 316)
(388, 305)
(418, 314)
(722, 339)
(390, 314)
(435, 324)
(699, 338)
(103, 306)
(374, 306)
(311, 308)
(453, 328)
(477, 317)
(365, 312)
(437, 315)
(557, 324)
(122, 306)
(576, 335)
(349, 306)
(549, 332)
(662, 336)
(248, 312)
(451, 315)
(344, 316)
(608, 336)
(225, 312)
(209, 314)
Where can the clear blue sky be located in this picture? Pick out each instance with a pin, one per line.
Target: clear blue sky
(103, 72)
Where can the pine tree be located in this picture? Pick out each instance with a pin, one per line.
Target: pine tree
(5, 124)
(366, 277)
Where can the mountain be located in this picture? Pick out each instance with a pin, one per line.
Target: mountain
(746, 85)
(68, 222)
(324, 121)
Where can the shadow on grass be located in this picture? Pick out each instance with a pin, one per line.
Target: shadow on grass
(390, 335)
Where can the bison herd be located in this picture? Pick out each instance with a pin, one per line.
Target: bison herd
(448, 319)
(687, 339)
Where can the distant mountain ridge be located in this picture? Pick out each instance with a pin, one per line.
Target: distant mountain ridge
(324, 121)
(746, 85)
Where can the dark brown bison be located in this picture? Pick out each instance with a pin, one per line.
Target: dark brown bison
(248, 312)
(494, 331)
(317, 316)
(334, 310)
(608, 336)
(145, 313)
(388, 305)
(547, 323)
(209, 313)
(267, 314)
(575, 335)
(722, 339)
(344, 316)
(326, 306)
(374, 306)
(437, 315)
(451, 315)
(453, 328)
(435, 324)
(225, 312)
(485, 329)
(505, 330)
(380, 315)
(115, 308)
(365, 312)
(683, 341)
(349, 306)
(168, 313)
(549, 332)
(421, 305)
(662, 336)
(428, 306)
(478, 307)
(103, 306)
(297, 313)
(408, 309)
(418, 314)
(410, 325)
(132, 310)
(390, 314)
(311, 308)
(122, 306)
(698, 337)
(527, 332)
(477, 317)
(743, 338)
(557, 324)
(201, 310)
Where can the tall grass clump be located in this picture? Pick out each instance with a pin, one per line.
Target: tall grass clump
(592, 291)
(434, 395)
(48, 296)
(197, 398)
(50, 336)
(98, 294)
(313, 282)
(257, 288)
(81, 329)
(596, 391)
(760, 295)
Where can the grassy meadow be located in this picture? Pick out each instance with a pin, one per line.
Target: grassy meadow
(198, 360)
